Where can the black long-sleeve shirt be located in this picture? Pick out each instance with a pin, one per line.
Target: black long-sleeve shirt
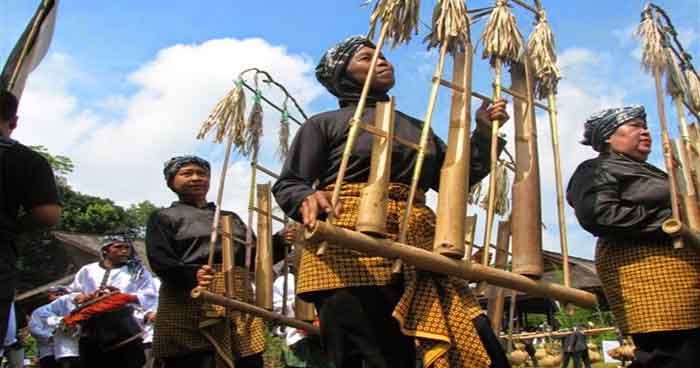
(618, 198)
(317, 149)
(177, 242)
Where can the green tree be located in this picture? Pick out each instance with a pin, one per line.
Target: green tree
(138, 215)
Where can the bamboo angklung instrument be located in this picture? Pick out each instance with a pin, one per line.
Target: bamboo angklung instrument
(429, 261)
(264, 274)
(212, 298)
(502, 44)
(228, 117)
(399, 19)
(372, 213)
(496, 299)
(470, 226)
(227, 255)
(542, 55)
(526, 216)
(655, 60)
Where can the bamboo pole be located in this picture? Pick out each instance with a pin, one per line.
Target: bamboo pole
(511, 318)
(212, 298)
(529, 335)
(264, 274)
(372, 213)
(470, 225)
(219, 198)
(355, 122)
(690, 197)
(251, 209)
(678, 230)
(496, 300)
(426, 260)
(454, 175)
(561, 205)
(492, 170)
(227, 255)
(668, 160)
(526, 216)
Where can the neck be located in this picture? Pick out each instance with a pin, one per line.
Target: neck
(199, 202)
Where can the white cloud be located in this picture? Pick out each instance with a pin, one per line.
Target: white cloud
(121, 158)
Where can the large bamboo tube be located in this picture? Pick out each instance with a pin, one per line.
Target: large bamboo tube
(496, 300)
(430, 261)
(355, 122)
(667, 151)
(264, 274)
(677, 229)
(454, 175)
(372, 214)
(227, 255)
(690, 197)
(688, 200)
(209, 297)
(526, 216)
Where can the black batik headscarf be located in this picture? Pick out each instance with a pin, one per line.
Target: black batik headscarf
(601, 125)
(331, 72)
(171, 167)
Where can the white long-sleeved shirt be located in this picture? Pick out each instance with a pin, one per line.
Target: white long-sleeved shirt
(89, 278)
(290, 334)
(44, 323)
(141, 312)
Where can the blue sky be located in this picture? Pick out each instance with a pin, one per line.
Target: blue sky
(127, 83)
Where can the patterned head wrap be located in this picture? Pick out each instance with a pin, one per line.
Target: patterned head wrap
(58, 289)
(171, 167)
(330, 71)
(134, 264)
(601, 125)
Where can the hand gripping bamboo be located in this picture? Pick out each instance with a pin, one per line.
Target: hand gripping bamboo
(263, 259)
(454, 175)
(372, 213)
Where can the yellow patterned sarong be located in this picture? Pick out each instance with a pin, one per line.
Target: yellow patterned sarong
(650, 287)
(183, 324)
(436, 310)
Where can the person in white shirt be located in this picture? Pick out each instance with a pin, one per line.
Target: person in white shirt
(119, 270)
(147, 318)
(10, 349)
(58, 347)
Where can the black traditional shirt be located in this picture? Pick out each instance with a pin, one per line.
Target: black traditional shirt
(618, 198)
(317, 149)
(177, 242)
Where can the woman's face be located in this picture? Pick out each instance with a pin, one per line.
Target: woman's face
(191, 181)
(632, 139)
(358, 67)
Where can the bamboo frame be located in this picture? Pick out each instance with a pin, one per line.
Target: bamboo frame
(454, 175)
(430, 261)
(690, 166)
(470, 226)
(355, 122)
(496, 300)
(264, 274)
(528, 336)
(227, 255)
(372, 213)
(511, 317)
(212, 298)
(526, 215)
(251, 208)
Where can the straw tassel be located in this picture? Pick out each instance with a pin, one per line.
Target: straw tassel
(450, 24)
(228, 117)
(675, 81)
(283, 134)
(501, 36)
(474, 193)
(254, 130)
(501, 205)
(693, 84)
(543, 58)
(654, 55)
(401, 16)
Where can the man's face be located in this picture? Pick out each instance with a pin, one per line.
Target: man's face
(632, 139)
(118, 253)
(7, 127)
(358, 68)
(191, 180)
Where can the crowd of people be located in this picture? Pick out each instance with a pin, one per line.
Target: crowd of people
(369, 316)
